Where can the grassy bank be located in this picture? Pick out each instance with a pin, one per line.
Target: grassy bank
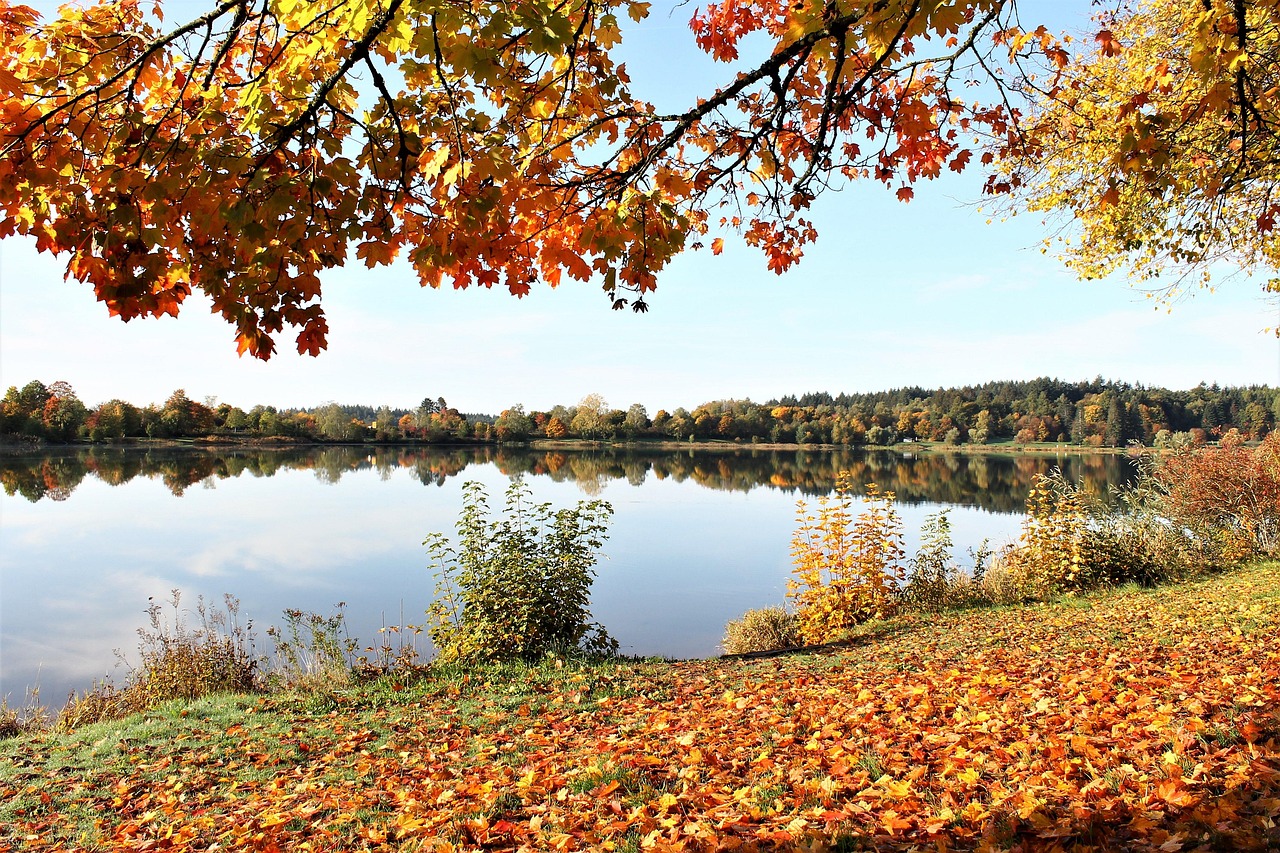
(1134, 719)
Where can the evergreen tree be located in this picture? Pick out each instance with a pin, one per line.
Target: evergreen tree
(1133, 423)
(1215, 413)
(1117, 422)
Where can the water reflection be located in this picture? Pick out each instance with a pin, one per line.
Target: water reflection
(992, 482)
(699, 536)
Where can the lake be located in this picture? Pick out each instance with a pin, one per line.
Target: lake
(87, 536)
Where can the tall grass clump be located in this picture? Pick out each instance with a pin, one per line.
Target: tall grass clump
(313, 651)
(30, 717)
(187, 662)
(178, 661)
(763, 630)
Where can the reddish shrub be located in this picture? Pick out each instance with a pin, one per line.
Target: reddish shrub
(1233, 489)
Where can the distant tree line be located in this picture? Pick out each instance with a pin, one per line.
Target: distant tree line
(1094, 413)
(1091, 413)
(54, 413)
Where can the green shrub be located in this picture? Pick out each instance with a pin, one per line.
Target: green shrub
(519, 587)
(762, 630)
(932, 575)
(935, 581)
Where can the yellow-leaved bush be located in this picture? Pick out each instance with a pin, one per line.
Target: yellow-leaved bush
(1074, 541)
(846, 569)
(1050, 555)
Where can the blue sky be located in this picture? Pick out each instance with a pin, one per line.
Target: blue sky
(926, 293)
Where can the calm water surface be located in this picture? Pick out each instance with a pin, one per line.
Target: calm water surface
(86, 538)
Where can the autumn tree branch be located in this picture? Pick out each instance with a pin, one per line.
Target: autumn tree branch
(125, 71)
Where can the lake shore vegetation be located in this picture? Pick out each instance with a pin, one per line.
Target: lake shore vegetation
(1191, 513)
(1132, 717)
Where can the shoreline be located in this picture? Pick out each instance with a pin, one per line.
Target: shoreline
(574, 444)
(847, 742)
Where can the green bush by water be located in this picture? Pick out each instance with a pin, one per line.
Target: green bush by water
(518, 587)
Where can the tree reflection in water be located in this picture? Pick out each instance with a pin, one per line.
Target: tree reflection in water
(996, 483)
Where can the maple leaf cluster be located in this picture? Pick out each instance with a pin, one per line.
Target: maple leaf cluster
(1157, 148)
(242, 154)
(495, 144)
(246, 151)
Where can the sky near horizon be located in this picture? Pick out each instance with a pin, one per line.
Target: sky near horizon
(922, 294)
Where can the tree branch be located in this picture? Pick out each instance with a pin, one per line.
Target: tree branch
(149, 51)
